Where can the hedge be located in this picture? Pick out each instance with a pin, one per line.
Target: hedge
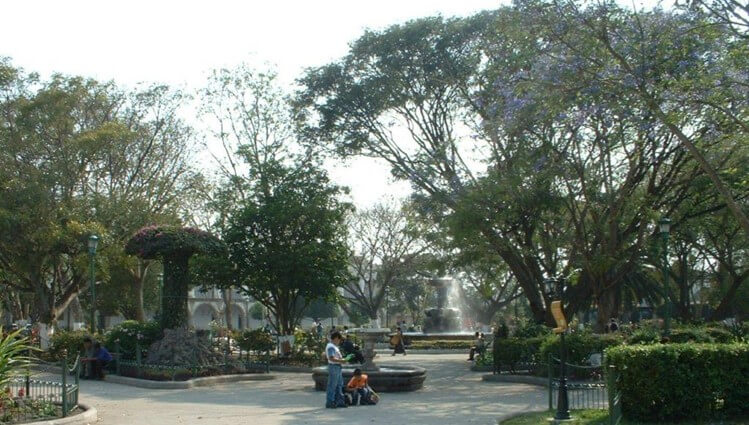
(580, 346)
(511, 352)
(667, 382)
(440, 344)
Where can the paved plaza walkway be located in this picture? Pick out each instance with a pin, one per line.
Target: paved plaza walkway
(452, 394)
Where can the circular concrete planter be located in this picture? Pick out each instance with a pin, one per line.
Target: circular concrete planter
(88, 416)
(391, 379)
(190, 383)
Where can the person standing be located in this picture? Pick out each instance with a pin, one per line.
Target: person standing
(399, 342)
(334, 395)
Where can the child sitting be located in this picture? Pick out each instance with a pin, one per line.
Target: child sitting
(359, 387)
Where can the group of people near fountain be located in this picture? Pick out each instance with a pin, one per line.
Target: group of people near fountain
(358, 391)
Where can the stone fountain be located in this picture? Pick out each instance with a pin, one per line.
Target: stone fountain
(442, 318)
(384, 378)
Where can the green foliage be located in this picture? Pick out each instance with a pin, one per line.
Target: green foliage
(645, 335)
(682, 381)
(254, 340)
(530, 329)
(439, 344)
(14, 351)
(511, 352)
(690, 334)
(68, 343)
(580, 345)
(289, 241)
(309, 342)
(174, 246)
(129, 333)
(256, 311)
(157, 242)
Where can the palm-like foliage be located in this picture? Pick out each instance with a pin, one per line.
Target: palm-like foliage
(13, 355)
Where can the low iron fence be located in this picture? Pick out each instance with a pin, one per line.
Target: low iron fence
(138, 368)
(582, 394)
(30, 397)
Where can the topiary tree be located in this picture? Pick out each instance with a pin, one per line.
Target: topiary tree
(174, 246)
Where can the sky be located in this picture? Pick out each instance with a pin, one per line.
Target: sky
(179, 42)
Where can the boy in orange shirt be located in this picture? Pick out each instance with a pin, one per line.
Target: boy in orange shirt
(358, 385)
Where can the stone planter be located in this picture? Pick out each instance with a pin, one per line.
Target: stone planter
(387, 379)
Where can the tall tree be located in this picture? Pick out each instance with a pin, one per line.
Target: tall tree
(387, 247)
(289, 243)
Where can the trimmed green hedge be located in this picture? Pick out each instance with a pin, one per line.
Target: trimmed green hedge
(682, 381)
(580, 345)
(440, 344)
(510, 352)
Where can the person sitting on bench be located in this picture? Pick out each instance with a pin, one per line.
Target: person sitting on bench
(99, 359)
(348, 347)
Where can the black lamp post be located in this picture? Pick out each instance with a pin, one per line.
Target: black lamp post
(555, 287)
(664, 226)
(93, 242)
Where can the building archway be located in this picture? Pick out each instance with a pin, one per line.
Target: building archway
(203, 315)
(238, 316)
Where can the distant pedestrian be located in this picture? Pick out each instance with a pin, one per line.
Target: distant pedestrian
(399, 342)
(613, 327)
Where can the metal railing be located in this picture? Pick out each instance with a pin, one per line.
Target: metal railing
(34, 398)
(140, 369)
(587, 394)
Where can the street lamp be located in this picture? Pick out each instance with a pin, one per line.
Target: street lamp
(93, 242)
(664, 226)
(555, 288)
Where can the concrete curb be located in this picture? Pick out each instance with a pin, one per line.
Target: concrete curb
(517, 379)
(292, 369)
(88, 416)
(183, 385)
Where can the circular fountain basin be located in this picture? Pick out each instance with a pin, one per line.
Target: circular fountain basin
(389, 378)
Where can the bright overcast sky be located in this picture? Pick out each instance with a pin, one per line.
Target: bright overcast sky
(178, 42)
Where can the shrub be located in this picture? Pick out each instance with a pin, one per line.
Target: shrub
(62, 342)
(255, 340)
(129, 333)
(678, 381)
(511, 352)
(644, 336)
(690, 334)
(722, 335)
(580, 346)
(14, 351)
(530, 329)
(440, 344)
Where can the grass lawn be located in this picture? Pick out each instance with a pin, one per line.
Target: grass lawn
(601, 417)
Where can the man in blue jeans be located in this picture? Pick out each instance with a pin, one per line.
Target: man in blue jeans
(334, 396)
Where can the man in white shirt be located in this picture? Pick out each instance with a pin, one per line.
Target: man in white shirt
(334, 396)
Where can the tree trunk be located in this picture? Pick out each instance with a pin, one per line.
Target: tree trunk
(176, 283)
(725, 308)
(140, 314)
(226, 295)
(608, 307)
